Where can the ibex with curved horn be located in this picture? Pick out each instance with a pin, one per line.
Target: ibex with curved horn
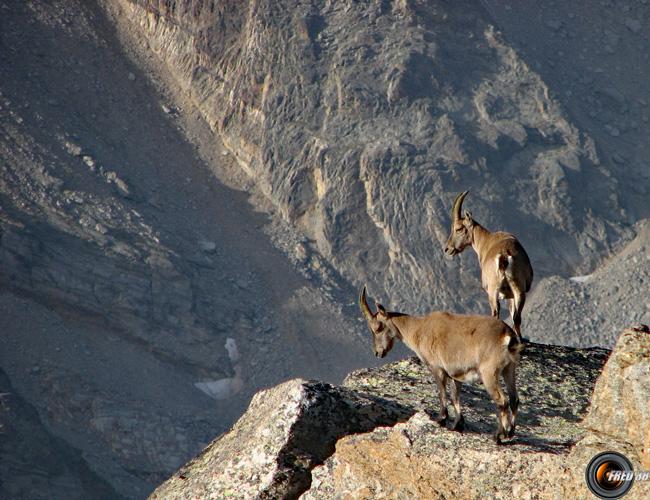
(506, 272)
(461, 347)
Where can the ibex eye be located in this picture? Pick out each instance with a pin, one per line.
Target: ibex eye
(380, 328)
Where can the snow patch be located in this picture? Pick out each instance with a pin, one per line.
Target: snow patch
(233, 352)
(225, 388)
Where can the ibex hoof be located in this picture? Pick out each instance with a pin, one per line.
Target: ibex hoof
(511, 432)
(497, 437)
(440, 420)
(458, 425)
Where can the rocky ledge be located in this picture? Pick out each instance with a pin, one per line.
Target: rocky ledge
(374, 435)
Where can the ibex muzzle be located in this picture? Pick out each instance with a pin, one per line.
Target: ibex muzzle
(383, 337)
(460, 236)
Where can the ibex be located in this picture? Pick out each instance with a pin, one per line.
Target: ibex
(463, 348)
(506, 272)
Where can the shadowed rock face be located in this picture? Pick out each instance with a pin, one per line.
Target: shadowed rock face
(35, 464)
(361, 121)
(416, 458)
(126, 267)
(589, 310)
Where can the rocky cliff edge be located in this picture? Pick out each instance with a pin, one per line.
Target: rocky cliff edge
(374, 435)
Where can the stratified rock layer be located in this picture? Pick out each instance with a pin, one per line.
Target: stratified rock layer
(126, 267)
(360, 121)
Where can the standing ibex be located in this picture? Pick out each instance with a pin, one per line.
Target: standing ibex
(506, 272)
(463, 348)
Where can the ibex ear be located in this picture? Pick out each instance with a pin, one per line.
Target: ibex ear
(380, 309)
(468, 218)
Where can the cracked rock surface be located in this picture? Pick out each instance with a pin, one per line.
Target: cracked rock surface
(360, 122)
(375, 437)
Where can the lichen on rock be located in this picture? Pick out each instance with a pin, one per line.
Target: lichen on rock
(374, 436)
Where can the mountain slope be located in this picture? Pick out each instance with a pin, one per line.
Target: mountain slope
(191, 192)
(360, 122)
(589, 310)
(139, 296)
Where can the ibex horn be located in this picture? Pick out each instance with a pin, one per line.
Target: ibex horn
(458, 203)
(363, 303)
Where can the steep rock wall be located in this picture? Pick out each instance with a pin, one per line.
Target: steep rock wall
(126, 268)
(362, 121)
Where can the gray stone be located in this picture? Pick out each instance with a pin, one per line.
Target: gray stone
(72, 148)
(343, 429)
(623, 385)
(554, 24)
(634, 25)
(207, 246)
(376, 117)
(271, 450)
(122, 187)
(408, 460)
(37, 463)
(621, 281)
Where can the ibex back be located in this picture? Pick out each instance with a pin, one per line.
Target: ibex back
(506, 272)
(463, 348)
